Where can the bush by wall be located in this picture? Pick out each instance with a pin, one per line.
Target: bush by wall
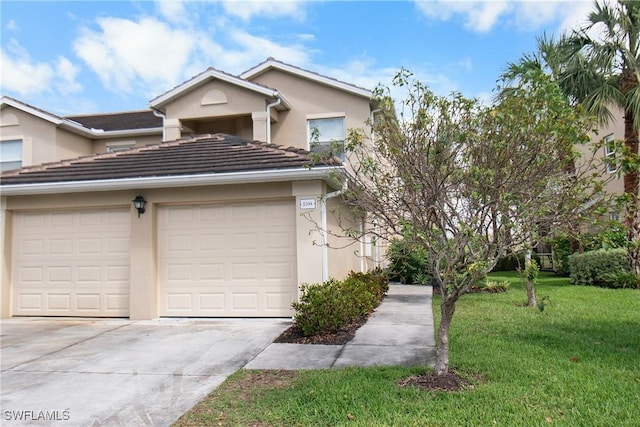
(595, 267)
(511, 262)
(329, 306)
(407, 263)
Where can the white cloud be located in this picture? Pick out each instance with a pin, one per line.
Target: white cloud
(11, 25)
(478, 16)
(23, 76)
(66, 73)
(264, 8)
(484, 15)
(147, 53)
(255, 49)
(173, 10)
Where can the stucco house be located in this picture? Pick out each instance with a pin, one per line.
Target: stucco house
(234, 208)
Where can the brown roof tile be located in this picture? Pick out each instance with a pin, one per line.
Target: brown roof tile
(205, 154)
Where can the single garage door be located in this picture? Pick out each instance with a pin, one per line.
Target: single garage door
(231, 260)
(71, 263)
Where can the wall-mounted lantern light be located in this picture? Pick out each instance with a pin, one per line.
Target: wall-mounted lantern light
(139, 203)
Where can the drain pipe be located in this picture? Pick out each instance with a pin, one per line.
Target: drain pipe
(160, 114)
(273, 104)
(323, 220)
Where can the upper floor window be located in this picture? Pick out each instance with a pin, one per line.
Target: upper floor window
(10, 155)
(113, 147)
(326, 134)
(610, 153)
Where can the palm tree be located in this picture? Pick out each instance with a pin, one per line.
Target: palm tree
(598, 66)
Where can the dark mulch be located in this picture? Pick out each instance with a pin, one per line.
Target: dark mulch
(294, 335)
(431, 382)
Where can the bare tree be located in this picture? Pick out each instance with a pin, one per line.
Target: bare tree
(468, 183)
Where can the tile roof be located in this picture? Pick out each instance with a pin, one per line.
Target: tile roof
(205, 154)
(127, 120)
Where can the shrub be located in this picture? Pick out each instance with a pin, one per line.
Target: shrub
(592, 268)
(408, 263)
(511, 262)
(621, 279)
(492, 286)
(561, 246)
(328, 307)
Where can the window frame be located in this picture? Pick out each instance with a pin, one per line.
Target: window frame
(610, 153)
(4, 161)
(327, 143)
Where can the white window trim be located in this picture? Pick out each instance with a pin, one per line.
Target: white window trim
(610, 154)
(325, 116)
(114, 146)
(27, 147)
(320, 116)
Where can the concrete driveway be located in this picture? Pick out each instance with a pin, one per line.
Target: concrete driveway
(92, 372)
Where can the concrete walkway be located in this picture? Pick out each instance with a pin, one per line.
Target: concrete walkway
(399, 333)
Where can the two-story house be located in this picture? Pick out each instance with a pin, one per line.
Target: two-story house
(206, 204)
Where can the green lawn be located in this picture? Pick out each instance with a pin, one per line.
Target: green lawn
(577, 363)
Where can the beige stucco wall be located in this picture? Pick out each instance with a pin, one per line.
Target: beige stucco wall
(43, 142)
(308, 98)
(240, 101)
(143, 257)
(70, 146)
(615, 127)
(345, 253)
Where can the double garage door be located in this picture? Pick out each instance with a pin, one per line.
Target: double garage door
(213, 261)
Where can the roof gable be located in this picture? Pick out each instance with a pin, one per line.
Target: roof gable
(213, 74)
(206, 154)
(272, 63)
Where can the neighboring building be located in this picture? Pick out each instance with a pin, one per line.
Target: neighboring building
(234, 204)
(608, 135)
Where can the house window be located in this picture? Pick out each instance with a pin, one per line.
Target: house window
(326, 135)
(10, 155)
(610, 153)
(113, 147)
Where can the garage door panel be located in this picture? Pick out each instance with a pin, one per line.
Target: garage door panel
(227, 260)
(71, 263)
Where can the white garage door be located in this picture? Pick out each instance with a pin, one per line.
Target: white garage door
(71, 263)
(227, 260)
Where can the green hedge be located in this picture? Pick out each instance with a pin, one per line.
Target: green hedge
(597, 267)
(408, 263)
(327, 307)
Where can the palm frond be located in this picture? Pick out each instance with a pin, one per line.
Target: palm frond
(632, 104)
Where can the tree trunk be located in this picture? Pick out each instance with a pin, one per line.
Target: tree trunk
(531, 293)
(529, 284)
(631, 178)
(447, 308)
(631, 189)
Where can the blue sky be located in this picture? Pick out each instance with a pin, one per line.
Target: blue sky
(97, 56)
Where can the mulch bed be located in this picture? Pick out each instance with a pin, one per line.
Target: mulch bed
(294, 335)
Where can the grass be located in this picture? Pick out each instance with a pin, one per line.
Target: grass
(577, 363)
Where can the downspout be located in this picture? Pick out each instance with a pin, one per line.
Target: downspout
(273, 104)
(323, 221)
(160, 114)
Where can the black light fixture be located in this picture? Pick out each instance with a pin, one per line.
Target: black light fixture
(139, 202)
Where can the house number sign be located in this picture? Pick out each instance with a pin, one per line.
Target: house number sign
(307, 203)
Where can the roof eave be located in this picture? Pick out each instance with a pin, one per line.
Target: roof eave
(159, 101)
(326, 173)
(267, 65)
(97, 134)
(27, 109)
